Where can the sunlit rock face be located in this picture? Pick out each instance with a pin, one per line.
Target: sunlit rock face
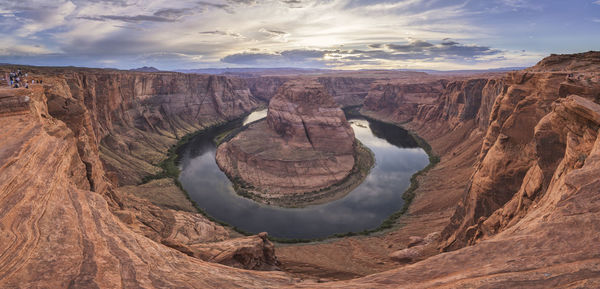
(305, 145)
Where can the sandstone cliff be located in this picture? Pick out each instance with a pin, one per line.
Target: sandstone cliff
(136, 117)
(534, 126)
(400, 101)
(64, 226)
(530, 209)
(304, 114)
(346, 90)
(305, 145)
(528, 218)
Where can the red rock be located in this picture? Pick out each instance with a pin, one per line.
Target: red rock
(407, 255)
(414, 241)
(529, 216)
(305, 145)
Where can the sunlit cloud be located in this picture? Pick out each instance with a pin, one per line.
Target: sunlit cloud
(349, 34)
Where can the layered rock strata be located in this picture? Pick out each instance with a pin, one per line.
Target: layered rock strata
(305, 145)
(62, 225)
(541, 127)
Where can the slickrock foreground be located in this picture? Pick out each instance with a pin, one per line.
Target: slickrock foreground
(63, 225)
(304, 146)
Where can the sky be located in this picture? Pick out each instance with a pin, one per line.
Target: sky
(332, 34)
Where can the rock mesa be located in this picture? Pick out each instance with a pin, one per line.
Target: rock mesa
(305, 145)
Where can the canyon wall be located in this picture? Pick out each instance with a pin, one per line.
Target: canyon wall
(536, 124)
(63, 225)
(346, 90)
(528, 217)
(136, 117)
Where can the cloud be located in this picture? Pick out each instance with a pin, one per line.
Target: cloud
(122, 3)
(161, 15)
(342, 33)
(521, 4)
(32, 19)
(446, 48)
(415, 50)
(222, 33)
(172, 13)
(244, 2)
(131, 19)
(298, 57)
(274, 34)
(293, 3)
(415, 46)
(225, 7)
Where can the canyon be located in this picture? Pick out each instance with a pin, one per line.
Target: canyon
(303, 148)
(513, 201)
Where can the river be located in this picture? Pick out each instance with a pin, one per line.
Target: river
(397, 158)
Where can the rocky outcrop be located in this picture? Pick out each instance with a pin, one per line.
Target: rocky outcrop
(57, 232)
(416, 248)
(265, 87)
(14, 102)
(135, 117)
(305, 145)
(588, 61)
(400, 101)
(534, 127)
(530, 213)
(255, 252)
(530, 210)
(305, 115)
(346, 90)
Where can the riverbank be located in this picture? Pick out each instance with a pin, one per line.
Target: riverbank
(171, 170)
(434, 195)
(164, 188)
(364, 160)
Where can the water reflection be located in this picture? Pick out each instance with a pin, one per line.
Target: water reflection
(255, 115)
(366, 207)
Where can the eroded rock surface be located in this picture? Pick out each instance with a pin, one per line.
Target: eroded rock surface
(63, 225)
(305, 145)
(529, 216)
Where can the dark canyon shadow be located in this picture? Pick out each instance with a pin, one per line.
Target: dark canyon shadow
(397, 158)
